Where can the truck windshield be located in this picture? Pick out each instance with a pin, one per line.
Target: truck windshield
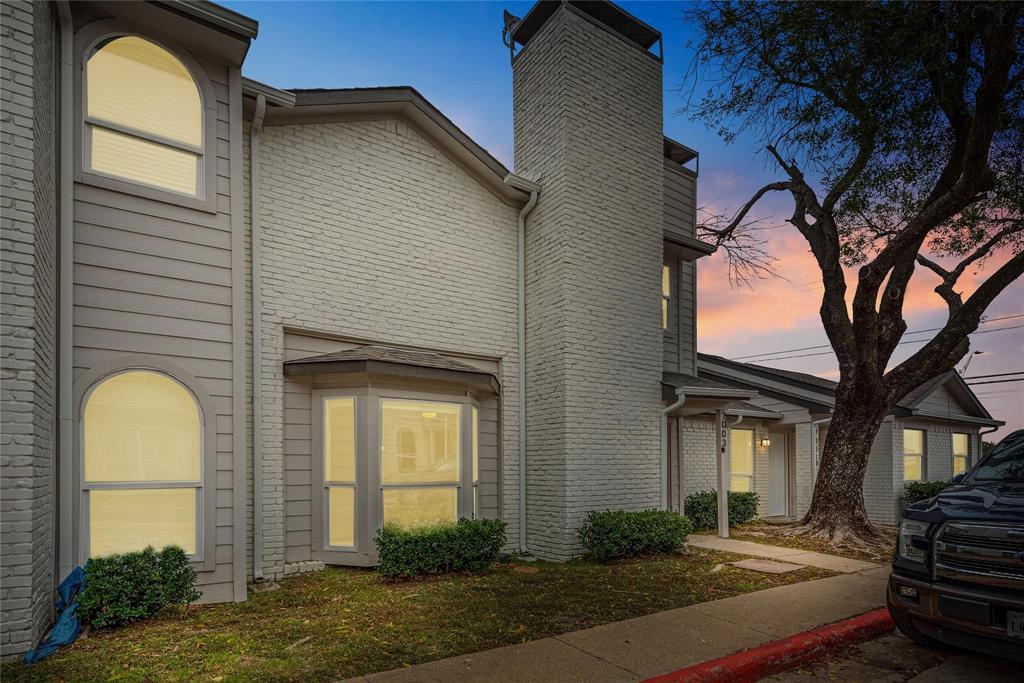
(1005, 462)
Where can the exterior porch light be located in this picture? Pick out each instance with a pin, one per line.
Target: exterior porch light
(765, 442)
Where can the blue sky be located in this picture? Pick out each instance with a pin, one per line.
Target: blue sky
(452, 53)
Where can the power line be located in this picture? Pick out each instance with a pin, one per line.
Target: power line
(995, 381)
(1000, 374)
(822, 346)
(908, 341)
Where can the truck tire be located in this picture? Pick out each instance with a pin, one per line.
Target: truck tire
(905, 623)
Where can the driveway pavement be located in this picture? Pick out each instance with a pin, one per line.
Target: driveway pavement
(894, 659)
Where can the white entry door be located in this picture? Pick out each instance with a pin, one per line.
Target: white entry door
(778, 477)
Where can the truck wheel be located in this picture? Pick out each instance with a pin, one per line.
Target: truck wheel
(905, 624)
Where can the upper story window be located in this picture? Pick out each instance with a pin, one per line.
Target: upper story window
(961, 451)
(143, 116)
(913, 454)
(666, 296)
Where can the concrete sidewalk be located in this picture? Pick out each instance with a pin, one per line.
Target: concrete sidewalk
(637, 649)
(843, 565)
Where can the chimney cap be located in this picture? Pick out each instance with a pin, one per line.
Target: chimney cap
(607, 13)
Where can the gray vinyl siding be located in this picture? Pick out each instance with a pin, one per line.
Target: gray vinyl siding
(680, 198)
(153, 279)
(297, 416)
(687, 316)
(940, 400)
(680, 345)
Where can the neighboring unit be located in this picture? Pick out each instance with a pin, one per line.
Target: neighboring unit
(933, 434)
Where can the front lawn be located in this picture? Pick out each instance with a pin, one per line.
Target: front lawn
(346, 622)
(777, 534)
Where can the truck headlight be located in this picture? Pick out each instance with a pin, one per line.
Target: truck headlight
(908, 529)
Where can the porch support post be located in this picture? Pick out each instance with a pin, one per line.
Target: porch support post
(722, 444)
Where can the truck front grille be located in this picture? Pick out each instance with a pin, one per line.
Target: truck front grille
(989, 554)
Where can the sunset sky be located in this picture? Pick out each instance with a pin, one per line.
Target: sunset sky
(452, 53)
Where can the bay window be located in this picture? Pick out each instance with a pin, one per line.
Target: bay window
(142, 464)
(389, 458)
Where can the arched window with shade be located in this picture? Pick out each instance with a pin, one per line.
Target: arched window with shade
(142, 464)
(144, 116)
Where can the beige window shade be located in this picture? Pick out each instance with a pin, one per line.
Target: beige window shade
(146, 162)
(341, 519)
(960, 453)
(741, 459)
(412, 507)
(141, 426)
(435, 437)
(913, 454)
(124, 520)
(144, 116)
(340, 439)
(138, 84)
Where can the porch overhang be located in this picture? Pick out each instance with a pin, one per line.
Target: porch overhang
(383, 360)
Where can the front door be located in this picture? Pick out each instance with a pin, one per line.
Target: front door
(778, 477)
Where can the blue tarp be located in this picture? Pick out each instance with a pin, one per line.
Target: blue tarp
(67, 628)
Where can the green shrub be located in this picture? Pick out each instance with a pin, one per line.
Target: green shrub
(120, 589)
(467, 545)
(620, 533)
(702, 508)
(914, 491)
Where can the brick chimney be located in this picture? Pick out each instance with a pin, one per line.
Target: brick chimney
(587, 97)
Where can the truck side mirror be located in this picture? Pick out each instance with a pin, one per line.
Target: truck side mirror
(957, 479)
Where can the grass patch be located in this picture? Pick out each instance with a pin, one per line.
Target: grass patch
(775, 534)
(357, 623)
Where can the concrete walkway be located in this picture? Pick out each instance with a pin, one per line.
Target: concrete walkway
(637, 649)
(843, 565)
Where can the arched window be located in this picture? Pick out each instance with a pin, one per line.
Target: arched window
(142, 464)
(143, 116)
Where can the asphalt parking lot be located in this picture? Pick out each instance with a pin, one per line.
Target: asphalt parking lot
(893, 659)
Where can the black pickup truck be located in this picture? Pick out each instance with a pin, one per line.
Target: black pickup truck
(958, 571)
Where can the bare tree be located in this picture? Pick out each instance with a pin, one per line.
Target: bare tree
(897, 129)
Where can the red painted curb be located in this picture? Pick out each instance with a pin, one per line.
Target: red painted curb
(782, 655)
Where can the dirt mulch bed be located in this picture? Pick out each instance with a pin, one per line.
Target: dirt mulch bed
(776, 534)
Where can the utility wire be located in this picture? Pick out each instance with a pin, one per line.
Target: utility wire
(995, 381)
(1000, 374)
(823, 346)
(908, 341)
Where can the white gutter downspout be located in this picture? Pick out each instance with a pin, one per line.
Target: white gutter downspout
(255, 132)
(814, 450)
(520, 183)
(65, 298)
(665, 455)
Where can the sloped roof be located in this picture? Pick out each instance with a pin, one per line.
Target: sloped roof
(390, 360)
(696, 386)
(826, 387)
(787, 375)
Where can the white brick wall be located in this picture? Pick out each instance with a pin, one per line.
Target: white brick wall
(698, 448)
(370, 231)
(28, 335)
(588, 126)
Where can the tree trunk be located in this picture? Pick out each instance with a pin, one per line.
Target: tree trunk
(837, 508)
